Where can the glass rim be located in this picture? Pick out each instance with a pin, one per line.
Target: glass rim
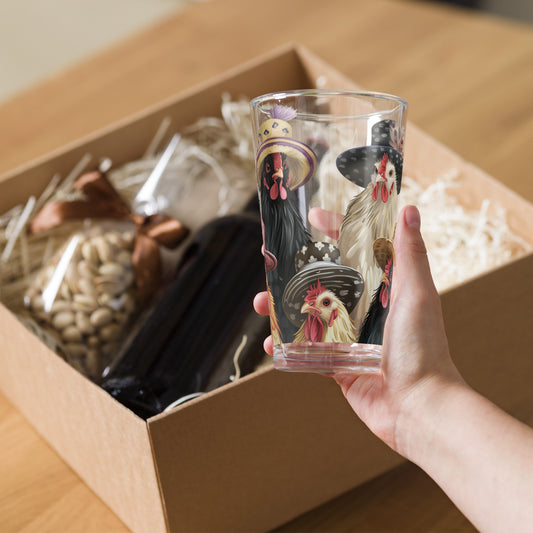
(257, 102)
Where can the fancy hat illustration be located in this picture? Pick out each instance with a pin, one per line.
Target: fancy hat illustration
(387, 133)
(321, 261)
(357, 164)
(275, 136)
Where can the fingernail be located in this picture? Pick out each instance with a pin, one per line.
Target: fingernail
(412, 217)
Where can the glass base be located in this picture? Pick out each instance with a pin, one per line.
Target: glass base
(328, 358)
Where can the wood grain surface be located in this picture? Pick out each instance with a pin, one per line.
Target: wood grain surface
(469, 81)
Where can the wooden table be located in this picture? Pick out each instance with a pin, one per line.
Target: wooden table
(469, 81)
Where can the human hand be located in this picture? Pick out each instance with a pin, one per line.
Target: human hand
(416, 360)
(420, 406)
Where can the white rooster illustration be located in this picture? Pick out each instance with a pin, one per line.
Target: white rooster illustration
(371, 215)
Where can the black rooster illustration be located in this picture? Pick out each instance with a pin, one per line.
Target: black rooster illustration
(284, 164)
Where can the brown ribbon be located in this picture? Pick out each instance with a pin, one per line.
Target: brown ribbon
(103, 201)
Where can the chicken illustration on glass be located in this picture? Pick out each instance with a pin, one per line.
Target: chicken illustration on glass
(284, 164)
(371, 214)
(328, 167)
(322, 294)
(374, 324)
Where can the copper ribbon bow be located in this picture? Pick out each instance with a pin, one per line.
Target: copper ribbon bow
(103, 201)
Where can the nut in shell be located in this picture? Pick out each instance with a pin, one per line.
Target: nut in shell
(89, 253)
(60, 305)
(95, 300)
(86, 286)
(101, 317)
(84, 302)
(111, 332)
(64, 291)
(36, 303)
(86, 269)
(83, 323)
(71, 334)
(103, 249)
(71, 275)
(62, 319)
(111, 286)
(114, 270)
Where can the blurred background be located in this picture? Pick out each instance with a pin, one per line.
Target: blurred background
(39, 39)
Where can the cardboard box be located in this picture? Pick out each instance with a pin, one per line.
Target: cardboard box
(256, 453)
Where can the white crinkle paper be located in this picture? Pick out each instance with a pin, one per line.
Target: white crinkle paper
(461, 243)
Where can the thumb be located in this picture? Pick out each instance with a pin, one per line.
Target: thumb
(414, 343)
(411, 269)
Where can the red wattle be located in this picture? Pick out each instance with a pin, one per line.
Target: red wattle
(384, 296)
(274, 191)
(314, 329)
(282, 191)
(384, 194)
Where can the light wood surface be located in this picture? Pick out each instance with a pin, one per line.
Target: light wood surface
(469, 81)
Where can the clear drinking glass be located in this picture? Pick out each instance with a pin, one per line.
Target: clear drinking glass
(329, 168)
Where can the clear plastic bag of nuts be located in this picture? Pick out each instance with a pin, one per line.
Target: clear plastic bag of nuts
(87, 295)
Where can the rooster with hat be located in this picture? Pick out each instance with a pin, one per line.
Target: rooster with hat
(371, 215)
(284, 164)
(320, 297)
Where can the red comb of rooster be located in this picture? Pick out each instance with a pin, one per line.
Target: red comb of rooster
(383, 165)
(313, 292)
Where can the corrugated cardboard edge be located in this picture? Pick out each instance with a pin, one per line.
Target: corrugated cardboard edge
(105, 443)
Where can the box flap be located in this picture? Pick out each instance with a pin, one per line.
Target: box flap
(258, 444)
(488, 322)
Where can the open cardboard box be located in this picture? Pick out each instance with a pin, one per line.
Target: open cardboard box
(255, 453)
